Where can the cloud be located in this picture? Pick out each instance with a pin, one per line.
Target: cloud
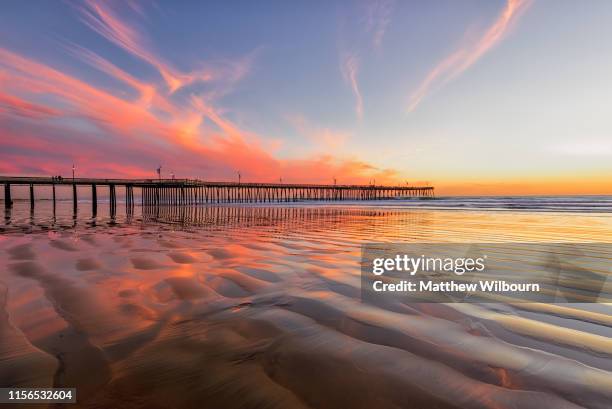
(106, 135)
(350, 68)
(593, 147)
(378, 17)
(367, 33)
(325, 139)
(101, 19)
(13, 105)
(50, 118)
(468, 53)
(41, 148)
(148, 94)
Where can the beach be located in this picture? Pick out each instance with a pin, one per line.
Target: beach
(305, 205)
(259, 307)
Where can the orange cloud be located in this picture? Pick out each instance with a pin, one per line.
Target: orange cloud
(326, 168)
(131, 136)
(135, 140)
(467, 54)
(35, 78)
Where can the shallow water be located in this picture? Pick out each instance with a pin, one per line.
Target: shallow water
(259, 307)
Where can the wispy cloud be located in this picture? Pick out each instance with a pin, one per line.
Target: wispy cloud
(468, 53)
(350, 68)
(378, 18)
(325, 139)
(148, 95)
(367, 33)
(17, 106)
(101, 19)
(584, 147)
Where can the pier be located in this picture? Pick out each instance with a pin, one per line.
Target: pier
(181, 192)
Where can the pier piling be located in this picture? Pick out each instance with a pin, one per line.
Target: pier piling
(31, 196)
(94, 200)
(8, 202)
(74, 197)
(112, 199)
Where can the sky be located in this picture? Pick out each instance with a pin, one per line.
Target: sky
(472, 97)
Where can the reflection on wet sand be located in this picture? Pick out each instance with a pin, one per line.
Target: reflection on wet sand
(244, 307)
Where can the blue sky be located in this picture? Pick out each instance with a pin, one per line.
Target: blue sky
(472, 96)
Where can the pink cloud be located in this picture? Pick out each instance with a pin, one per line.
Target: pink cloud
(101, 19)
(130, 140)
(130, 136)
(14, 105)
(468, 53)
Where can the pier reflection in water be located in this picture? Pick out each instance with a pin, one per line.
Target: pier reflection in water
(45, 216)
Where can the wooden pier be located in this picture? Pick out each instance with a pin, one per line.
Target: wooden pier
(181, 192)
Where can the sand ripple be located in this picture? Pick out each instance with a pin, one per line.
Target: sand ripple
(269, 315)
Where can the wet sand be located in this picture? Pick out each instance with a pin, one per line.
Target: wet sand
(241, 307)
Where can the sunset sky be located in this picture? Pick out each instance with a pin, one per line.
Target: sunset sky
(473, 97)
